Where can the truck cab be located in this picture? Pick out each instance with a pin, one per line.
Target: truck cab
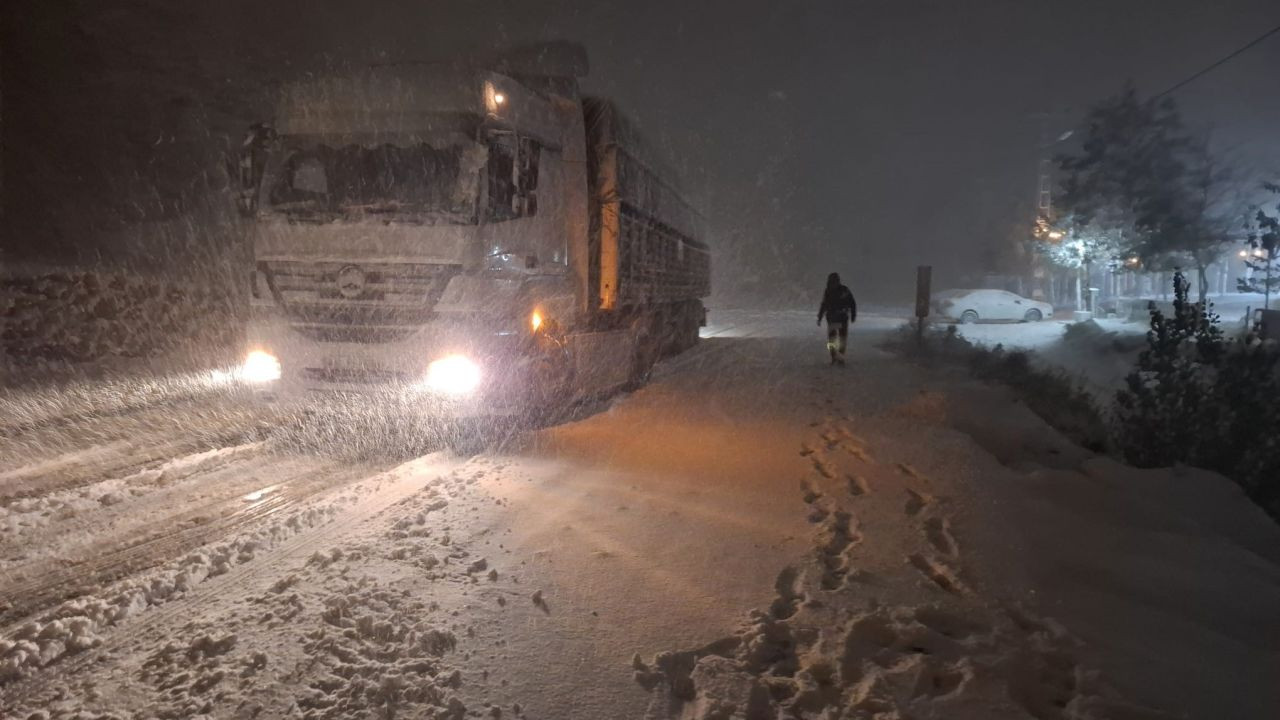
(444, 230)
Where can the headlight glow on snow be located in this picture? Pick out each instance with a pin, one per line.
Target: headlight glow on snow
(257, 495)
(452, 375)
(260, 367)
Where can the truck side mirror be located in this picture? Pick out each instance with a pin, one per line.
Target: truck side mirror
(249, 165)
(530, 156)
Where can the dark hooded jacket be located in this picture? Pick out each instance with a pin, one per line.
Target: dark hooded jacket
(838, 304)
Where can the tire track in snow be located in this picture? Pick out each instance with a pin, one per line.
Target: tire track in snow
(64, 461)
(159, 541)
(114, 461)
(57, 522)
(390, 487)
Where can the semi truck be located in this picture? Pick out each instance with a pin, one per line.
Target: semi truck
(479, 237)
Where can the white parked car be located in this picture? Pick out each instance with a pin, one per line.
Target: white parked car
(971, 306)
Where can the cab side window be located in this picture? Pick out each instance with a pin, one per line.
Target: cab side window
(512, 177)
(530, 154)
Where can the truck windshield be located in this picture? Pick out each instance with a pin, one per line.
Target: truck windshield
(416, 183)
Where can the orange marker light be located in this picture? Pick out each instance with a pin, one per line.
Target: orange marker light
(535, 320)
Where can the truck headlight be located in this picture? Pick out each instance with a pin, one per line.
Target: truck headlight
(452, 375)
(260, 367)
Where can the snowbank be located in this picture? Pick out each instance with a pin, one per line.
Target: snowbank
(1099, 353)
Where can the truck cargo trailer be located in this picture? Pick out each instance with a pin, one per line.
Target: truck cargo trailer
(479, 237)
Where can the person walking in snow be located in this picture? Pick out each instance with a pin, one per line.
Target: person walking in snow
(840, 309)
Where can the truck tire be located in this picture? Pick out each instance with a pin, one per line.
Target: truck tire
(691, 323)
(646, 353)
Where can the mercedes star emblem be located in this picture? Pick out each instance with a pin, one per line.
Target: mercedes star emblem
(351, 282)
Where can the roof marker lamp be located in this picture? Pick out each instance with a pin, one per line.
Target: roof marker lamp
(494, 98)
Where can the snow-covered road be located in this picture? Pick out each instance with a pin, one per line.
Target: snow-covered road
(754, 534)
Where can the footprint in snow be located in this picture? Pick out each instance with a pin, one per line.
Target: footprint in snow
(811, 494)
(789, 596)
(857, 485)
(835, 543)
(916, 502)
(938, 532)
(911, 472)
(857, 451)
(938, 573)
(824, 468)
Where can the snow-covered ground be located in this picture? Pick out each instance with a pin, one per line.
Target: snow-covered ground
(755, 534)
(1099, 358)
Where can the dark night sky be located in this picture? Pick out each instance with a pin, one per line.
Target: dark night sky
(858, 136)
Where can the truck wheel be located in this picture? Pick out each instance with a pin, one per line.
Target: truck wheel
(689, 324)
(693, 325)
(644, 356)
(640, 372)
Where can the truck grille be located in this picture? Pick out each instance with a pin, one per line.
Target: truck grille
(350, 302)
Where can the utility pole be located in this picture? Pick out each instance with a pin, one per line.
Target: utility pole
(1044, 185)
(1043, 221)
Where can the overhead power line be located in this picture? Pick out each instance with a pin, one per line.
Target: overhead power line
(1226, 59)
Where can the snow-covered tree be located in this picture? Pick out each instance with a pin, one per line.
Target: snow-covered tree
(1262, 253)
(1078, 246)
(1143, 183)
(1207, 223)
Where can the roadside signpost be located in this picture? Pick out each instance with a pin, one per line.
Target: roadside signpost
(924, 275)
